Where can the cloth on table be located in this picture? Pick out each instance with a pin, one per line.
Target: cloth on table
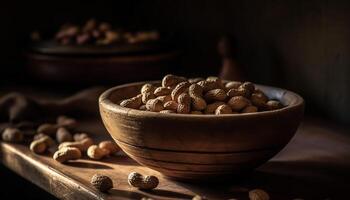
(19, 111)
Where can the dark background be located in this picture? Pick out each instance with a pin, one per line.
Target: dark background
(299, 45)
(295, 44)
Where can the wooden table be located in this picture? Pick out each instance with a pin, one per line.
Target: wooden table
(314, 165)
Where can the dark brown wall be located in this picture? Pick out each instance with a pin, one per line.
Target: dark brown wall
(300, 45)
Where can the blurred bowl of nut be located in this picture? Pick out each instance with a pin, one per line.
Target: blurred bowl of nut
(200, 129)
(96, 52)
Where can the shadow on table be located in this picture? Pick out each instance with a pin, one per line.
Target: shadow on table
(168, 194)
(121, 160)
(125, 194)
(283, 180)
(81, 164)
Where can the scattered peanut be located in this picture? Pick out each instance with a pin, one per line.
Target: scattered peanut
(82, 145)
(146, 198)
(80, 136)
(198, 197)
(142, 182)
(97, 153)
(63, 135)
(258, 194)
(38, 136)
(65, 154)
(48, 129)
(101, 182)
(110, 146)
(66, 122)
(38, 146)
(13, 135)
(41, 144)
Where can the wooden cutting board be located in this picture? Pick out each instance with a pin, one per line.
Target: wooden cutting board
(310, 167)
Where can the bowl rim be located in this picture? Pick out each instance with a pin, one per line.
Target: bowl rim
(106, 103)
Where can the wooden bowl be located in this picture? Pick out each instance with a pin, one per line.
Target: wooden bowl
(200, 147)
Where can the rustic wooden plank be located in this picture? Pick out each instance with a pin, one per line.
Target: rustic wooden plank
(311, 167)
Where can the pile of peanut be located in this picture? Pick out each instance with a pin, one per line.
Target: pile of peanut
(100, 33)
(58, 138)
(201, 96)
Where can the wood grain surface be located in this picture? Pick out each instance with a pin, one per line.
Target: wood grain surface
(312, 166)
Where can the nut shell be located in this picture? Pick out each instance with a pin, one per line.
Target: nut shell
(273, 105)
(162, 91)
(150, 182)
(154, 105)
(38, 146)
(97, 153)
(258, 194)
(147, 88)
(48, 129)
(250, 109)
(238, 103)
(135, 179)
(172, 80)
(210, 109)
(170, 105)
(147, 96)
(67, 122)
(233, 84)
(12, 135)
(63, 135)
(259, 99)
(134, 102)
(80, 136)
(215, 95)
(179, 89)
(223, 109)
(111, 146)
(198, 103)
(67, 153)
(101, 182)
